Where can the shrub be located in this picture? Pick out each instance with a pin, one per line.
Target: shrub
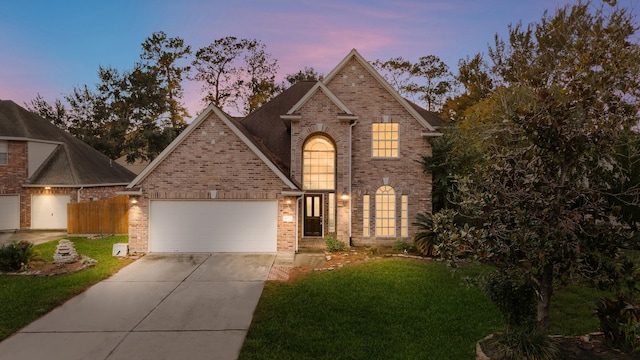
(334, 245)
(400, 245)
(16, 255)
(514, 298)
(525, 342)
(620, 321)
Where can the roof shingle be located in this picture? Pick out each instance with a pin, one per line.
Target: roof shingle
(72, 163)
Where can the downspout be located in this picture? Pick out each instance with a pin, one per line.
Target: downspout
(78, 195)
(350, 170)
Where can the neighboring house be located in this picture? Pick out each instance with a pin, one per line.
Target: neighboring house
(338, 157)
(135, 167)
(43, 168)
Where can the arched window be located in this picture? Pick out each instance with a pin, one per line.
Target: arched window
(385, 211)
(319, 164)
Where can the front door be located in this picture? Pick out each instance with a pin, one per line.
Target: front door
(313, 215)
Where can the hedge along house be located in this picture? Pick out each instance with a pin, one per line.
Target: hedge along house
(335, 157)
(43, 168)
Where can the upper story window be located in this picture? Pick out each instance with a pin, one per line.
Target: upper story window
(4, 152)
(319, 164)
(384, 140)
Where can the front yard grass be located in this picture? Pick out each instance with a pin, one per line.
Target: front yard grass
(388, 309)
(391, 309)
(23, 299)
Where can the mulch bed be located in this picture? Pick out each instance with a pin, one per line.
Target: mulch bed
(40, 268)
(588, 347)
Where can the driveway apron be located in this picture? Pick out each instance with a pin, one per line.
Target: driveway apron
(183, 306)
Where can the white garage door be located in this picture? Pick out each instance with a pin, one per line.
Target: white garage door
(49, 211)
(10, 212)
(213, 226)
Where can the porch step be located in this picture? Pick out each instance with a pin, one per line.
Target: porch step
(312, 243)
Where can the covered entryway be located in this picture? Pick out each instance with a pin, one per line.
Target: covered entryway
(213, 226)
(10, 210)
(49, 211)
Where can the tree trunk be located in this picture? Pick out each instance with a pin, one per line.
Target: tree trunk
(544, 297)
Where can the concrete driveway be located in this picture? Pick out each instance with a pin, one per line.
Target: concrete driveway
(187, 306)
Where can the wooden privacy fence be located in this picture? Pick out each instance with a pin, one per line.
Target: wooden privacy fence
(108, 216)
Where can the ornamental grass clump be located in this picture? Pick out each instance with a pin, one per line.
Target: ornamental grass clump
(16, 255)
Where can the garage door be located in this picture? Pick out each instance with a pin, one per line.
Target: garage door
(213, 226)
(49, 211)
(10, 210)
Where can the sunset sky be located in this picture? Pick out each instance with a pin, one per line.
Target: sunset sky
(48, 47)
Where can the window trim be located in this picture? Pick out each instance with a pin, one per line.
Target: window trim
(331, 213)
(376, 141)
(366, 216)
(385, 226)
(4, 145)
(404, 216)
(307, 184)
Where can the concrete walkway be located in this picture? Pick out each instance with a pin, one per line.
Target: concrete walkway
(34, 236)
(196, 306)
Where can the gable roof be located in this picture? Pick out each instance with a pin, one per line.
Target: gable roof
(72, 163)
(319, 86)
(355, 55)
(267, 128)
(235, 127)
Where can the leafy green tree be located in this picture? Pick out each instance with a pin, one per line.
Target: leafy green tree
(473, 75)
(569, 90)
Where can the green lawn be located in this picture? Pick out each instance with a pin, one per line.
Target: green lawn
(391, 309)
(25, 298)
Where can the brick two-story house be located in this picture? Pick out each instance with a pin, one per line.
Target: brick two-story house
(43, 168)
(335, 157)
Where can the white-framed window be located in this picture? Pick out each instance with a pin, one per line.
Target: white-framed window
(404, 216)
(385, 141)
(385, 211)
(331, 223)
(4, 152)
(366, 216)
(319, 164)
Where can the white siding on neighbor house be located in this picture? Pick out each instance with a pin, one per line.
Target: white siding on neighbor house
(49, 211)
(213, 226)
(9, 212)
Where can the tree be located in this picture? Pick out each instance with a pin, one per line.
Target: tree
(57, 113)
(473, 76)
(435, 74)
(307, 74)
(569, 91)
(162, 55)
(261, 71)
(427, 80)
(236, 73)
(398, 72)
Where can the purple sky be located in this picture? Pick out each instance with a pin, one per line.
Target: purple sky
(48, 47)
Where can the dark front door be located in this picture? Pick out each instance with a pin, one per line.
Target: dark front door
(313, 215)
